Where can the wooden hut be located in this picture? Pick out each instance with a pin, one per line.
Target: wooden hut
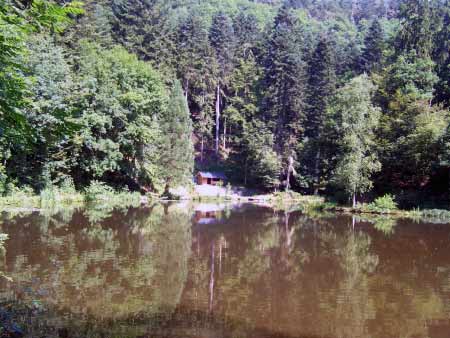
(211, 178)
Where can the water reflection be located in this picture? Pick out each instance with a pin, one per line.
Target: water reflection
(250, 272)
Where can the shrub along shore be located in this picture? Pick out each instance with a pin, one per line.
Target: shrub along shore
(100, 194)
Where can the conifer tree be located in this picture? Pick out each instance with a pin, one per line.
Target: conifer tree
(177, 151)
(284, 83)
(143, 27)
(321, 88)
(197, 69)
(247, 35)
(222, 40)
(442, 57)
(416, 27)
(372, 53)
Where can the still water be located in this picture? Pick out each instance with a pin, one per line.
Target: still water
(214, 271)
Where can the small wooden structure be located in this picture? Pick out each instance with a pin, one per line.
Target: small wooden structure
(211, 178)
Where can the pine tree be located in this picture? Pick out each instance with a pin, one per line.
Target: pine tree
(197, 69)
(194, 51)
(441, 56)
(284, 83)
(143, 27)
(442, 90)
(247, 35)
(416, 27)
(372, 53)
(321, 88)
(242, 109)
(52, 111)
(222, 40)
(177, 152)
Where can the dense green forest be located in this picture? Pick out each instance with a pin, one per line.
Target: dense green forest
(138, 94)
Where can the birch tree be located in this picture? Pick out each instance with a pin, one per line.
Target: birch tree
(357, 120)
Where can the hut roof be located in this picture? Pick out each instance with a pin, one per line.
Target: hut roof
(210, 174)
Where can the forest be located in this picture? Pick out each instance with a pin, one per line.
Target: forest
(344, 98)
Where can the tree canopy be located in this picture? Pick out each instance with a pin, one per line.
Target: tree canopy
(139, 94)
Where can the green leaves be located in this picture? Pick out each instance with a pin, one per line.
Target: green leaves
(357, 120)
(47, 15)
(119, 114)
(177, 150)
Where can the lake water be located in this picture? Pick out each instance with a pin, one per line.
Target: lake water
(214, 271)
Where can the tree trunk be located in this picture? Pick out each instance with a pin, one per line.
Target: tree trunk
(317, 174)
(353, 10)
(202, 145)
(167, 189)
(290, 170)
(217, 119)
(354, 200)
(245, 172)
(187, 89)
(225, 133)
(288, 185)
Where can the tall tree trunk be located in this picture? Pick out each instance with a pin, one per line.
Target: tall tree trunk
(225, 133)
(167, 188)
(354, 4)
(186, 93)
(291, 170)
(245, 171)
(317, 174)
(202, 145)
(217, 119)
(288, 179)
(354, 200)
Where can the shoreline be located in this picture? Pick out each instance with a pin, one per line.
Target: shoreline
(21, 203)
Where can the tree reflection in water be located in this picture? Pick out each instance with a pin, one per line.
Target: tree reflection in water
(253, 272)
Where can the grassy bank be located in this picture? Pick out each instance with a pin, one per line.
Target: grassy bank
(99, 196)
(387, 207)
(96, 195)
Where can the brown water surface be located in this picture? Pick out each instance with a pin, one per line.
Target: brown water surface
(214, 271)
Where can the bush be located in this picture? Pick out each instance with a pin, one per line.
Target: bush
(383, 204)
(98, 191)
(435, 215)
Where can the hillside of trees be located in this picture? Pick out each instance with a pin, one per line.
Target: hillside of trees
(140, 93)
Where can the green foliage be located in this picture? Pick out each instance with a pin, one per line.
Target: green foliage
(121, 100)
(16, 25)
(415, 33)
(177, 152)
(385, 203)
(435, 215)
(97, 191)
(385, 224)
(411, 78)
(284, 83)
(262, 164)
(94, 103)
(372, 55)
(321, 89)
(356, 120)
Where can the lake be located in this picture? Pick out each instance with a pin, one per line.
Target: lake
(219, 270)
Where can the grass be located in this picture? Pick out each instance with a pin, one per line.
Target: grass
(97, 195)
(103, 199)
